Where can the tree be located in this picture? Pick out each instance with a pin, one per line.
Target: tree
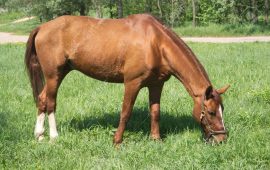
(112, 8)
(98, 8)
(266, 8)
(148, 6)
(159, 8)
(2, 3)
(120, 8)
(254, 11)
(194, 13)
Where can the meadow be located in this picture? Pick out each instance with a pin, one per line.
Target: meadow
(88, 114)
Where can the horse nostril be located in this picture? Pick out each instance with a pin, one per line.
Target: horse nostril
(217, 139)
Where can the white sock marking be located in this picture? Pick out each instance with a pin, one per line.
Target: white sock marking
(39, 128)
(52, 125)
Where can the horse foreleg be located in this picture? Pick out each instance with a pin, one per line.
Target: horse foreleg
(154, 104)
(131, 92)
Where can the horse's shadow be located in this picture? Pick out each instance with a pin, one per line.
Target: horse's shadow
(139, 122)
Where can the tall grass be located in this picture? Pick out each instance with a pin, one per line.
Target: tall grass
(88, 113)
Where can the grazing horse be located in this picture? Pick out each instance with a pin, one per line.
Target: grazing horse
(138, 51)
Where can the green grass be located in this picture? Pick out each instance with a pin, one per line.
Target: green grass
(226, 30)
(8, 17)
(88, 113)
(21, 28)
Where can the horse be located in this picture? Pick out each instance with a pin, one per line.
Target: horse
(138, 51)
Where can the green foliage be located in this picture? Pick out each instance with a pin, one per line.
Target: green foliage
(2, 3)
(88, 113)
(52, 8)
(172, 12)
(214, 11)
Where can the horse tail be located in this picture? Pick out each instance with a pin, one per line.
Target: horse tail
(33, 66)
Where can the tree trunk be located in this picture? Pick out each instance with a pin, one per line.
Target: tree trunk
(254, 13)
(120, 8)
(148, 6)
(159, 8)
(194, 13)
(82, 9)
(98, 8)
(172, 13)
(111, 10)
(266, 5)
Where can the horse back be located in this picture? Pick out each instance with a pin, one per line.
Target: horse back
(106, 49)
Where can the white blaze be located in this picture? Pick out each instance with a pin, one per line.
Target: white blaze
(221, 115)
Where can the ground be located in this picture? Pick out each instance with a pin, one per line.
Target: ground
(10, 38)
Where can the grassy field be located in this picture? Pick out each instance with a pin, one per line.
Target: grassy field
(223, 30)
(88, 113)
(8, 17)
(21, 28)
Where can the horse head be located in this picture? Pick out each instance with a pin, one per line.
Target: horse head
(209, 113)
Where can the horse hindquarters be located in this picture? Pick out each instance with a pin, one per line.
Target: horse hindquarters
(41, 63)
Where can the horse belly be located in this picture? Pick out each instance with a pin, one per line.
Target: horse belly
(107, 69)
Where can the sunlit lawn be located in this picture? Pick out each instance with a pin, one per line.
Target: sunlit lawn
(88, 113)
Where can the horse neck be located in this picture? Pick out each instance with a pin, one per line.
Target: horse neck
(186, 67)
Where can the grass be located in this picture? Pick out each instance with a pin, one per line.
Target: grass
(21, 28)
(224, 30)
(88, 113)
(8, 17)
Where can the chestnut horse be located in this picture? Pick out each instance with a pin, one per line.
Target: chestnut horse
(138, 51)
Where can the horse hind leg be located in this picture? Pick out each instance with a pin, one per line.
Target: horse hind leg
(47, 103)
(52, 88)
(39, 128)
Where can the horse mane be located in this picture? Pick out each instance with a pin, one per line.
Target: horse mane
(180, 43)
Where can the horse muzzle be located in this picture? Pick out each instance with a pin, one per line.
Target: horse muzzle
(217, 138)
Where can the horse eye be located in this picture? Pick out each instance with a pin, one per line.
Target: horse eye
(212, 113)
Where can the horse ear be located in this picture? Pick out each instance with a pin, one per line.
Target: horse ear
(223, 89)
(208, 92)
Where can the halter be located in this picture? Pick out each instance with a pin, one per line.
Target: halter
(212, 132)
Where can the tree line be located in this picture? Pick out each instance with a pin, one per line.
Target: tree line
(171, 12)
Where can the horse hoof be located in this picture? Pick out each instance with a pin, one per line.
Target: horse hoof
(117, 146)
(156, 137)
(53, 139)
(40, 138)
